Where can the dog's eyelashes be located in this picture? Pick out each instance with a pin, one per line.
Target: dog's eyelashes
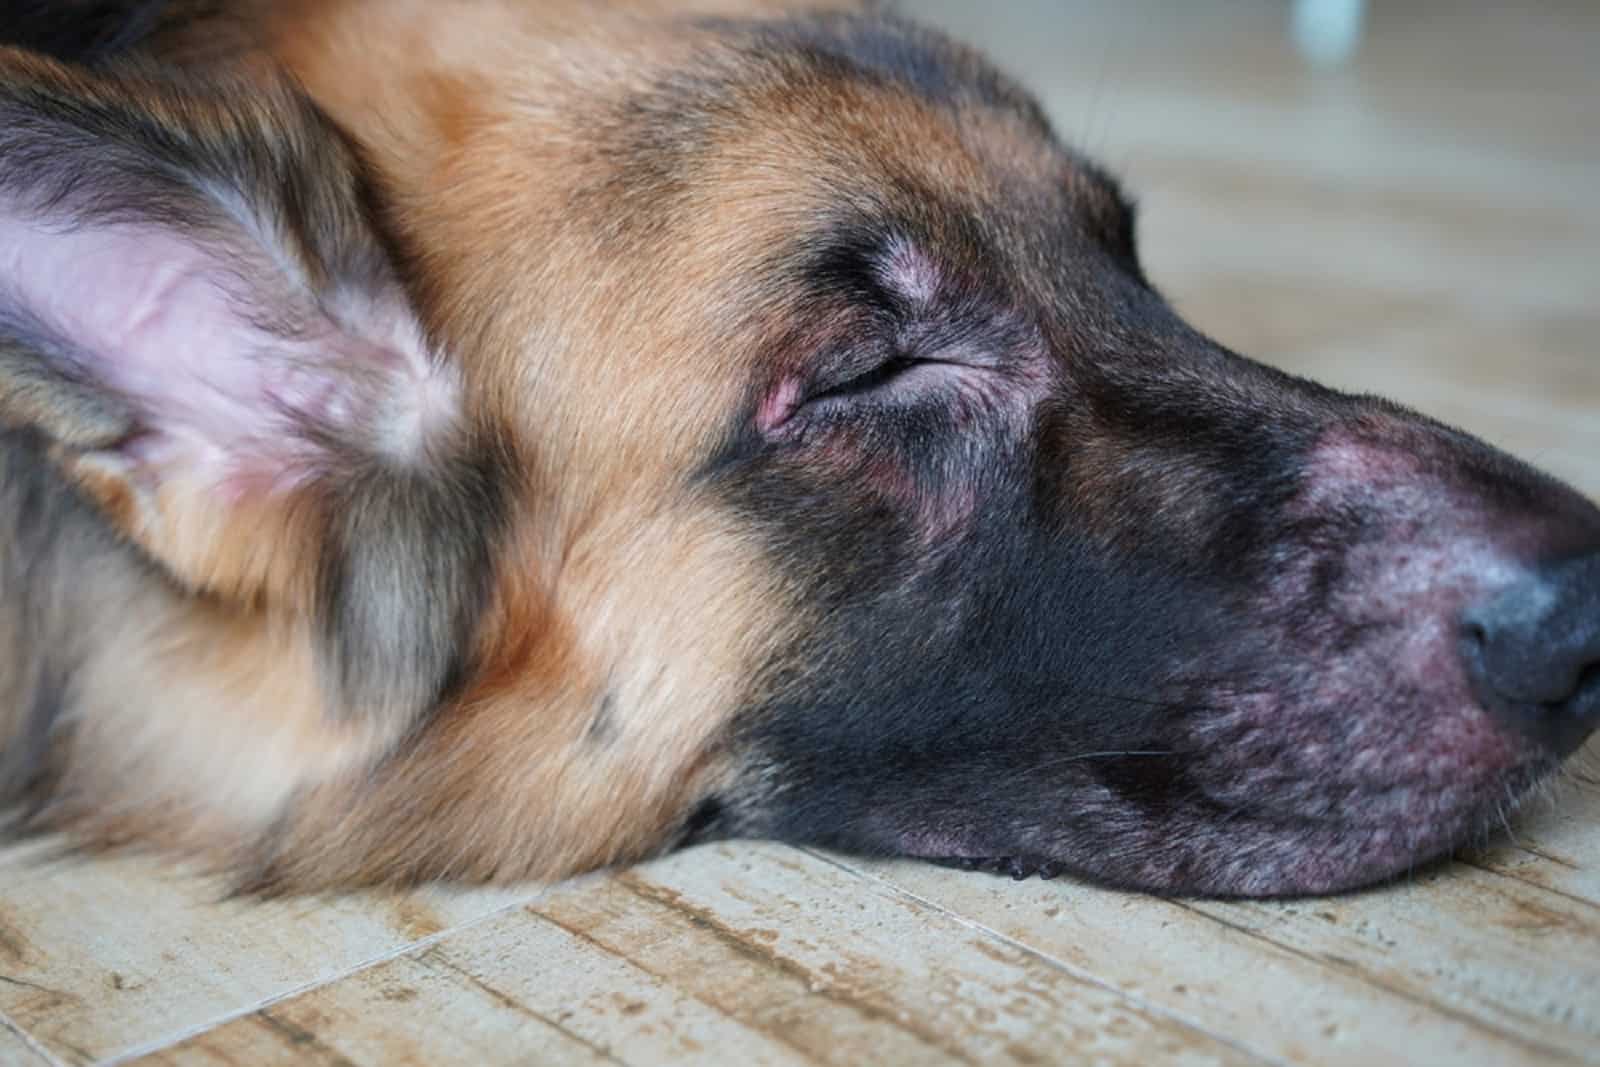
(792, 410)
(878, 377)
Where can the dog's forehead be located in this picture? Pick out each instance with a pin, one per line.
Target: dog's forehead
(624, 204)
(885, 101)
(825, 138)
(885, 49)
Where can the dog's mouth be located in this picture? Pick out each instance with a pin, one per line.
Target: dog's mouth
(1259, 799)
(1259, 851)
(1311, 864)
(1409, 668)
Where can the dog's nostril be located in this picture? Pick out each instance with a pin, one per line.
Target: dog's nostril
(1588, 687)
(1474, 636)
(1533, 650)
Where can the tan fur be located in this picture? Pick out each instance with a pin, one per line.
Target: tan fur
(628, 614)
(627, 584)
(191, 723)
(625, 592)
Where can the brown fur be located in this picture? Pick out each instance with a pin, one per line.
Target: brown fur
(528, 633)
(507, 780)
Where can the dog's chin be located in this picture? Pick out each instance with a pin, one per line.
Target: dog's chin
(1256, 853)
(1261, 812)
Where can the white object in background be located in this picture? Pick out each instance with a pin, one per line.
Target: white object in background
(1327, 32)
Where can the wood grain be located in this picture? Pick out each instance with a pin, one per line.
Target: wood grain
(731, 954)
(1422, 224)
(97, 957)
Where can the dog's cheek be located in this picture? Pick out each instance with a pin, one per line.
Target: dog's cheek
(593, 721)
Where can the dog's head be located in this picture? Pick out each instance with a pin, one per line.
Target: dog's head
(662, 427)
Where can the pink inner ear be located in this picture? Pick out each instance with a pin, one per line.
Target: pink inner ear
(228, 361)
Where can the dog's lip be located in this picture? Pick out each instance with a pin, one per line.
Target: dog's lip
(1388, 846)
(1425, 793)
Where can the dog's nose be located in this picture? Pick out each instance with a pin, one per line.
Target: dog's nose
(1533, 651)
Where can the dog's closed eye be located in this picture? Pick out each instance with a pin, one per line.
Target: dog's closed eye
(874, 379)
(865, 389)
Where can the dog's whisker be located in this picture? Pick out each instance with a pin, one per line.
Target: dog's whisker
(1148, 702)
(1109, 754)
(761, 520)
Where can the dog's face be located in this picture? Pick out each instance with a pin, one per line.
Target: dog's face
(747, 425)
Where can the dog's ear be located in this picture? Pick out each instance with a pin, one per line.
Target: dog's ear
(194, 305)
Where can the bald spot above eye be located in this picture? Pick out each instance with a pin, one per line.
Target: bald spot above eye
(905, 270)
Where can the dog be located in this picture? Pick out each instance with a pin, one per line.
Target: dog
(499, 440)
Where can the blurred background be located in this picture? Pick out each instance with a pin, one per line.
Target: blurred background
(1401, 196)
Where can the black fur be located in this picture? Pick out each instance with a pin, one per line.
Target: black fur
(1121, 620)
(407, 576)
(83, 31)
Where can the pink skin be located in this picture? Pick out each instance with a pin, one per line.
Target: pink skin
(1381, 756)
(1316, 780)
(1438, 557)
(151, 317)
(224, 356)
(974, 386)
(779, 405)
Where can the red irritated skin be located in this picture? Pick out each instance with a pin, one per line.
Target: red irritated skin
(975, 378)
(1147, 611)
(604, 427)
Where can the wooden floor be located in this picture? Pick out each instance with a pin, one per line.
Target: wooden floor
(1423, 224)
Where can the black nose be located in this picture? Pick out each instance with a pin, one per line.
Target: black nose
(1533, 651)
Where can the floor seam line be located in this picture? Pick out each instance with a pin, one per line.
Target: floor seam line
(34, 1045)
(418, 946)
(1060, 964)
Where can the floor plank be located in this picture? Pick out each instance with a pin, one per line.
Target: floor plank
(873, 963)
(16, 1050)
(1503, 952)
(749, 954)
(99, 957)
(1557, 847)
(1223, 978)
(1422, 224)
(516, 989)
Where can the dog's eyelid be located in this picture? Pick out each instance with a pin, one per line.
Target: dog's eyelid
(783, 411)
(869, 378)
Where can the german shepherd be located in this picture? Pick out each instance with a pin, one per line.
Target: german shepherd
(499, 439)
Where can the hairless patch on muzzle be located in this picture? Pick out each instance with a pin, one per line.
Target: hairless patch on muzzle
(659, 429)
(1088, 592)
